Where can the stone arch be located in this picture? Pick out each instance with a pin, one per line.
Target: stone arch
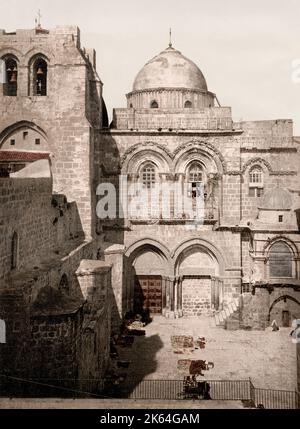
(284, 298)
(155, 244)
(198, 150)
(286, 240)
(11, 52)
(257, 161)
(201, 244)
(35, 52)
(12, 129)
(147, 265)
(137, 154)
(294, 258)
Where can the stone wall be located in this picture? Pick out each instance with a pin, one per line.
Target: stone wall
(260, 309)
(43, 222)
(196, 296)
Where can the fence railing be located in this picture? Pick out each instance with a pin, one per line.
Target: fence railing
(277, 399)
(231, 390)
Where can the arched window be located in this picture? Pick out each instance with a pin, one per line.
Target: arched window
(188, 104)
(148, 175)
(195, 179)
(154, 104)
(64, 283)
(256, 182)
(40, 71)
(280, 260)
(10, 86)
(14, 251)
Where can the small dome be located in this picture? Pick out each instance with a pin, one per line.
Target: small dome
(170, 69)
(276, 199)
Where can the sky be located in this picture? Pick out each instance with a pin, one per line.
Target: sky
(248, 50)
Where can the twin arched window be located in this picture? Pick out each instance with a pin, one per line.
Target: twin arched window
(256, 181)
(38, 73)
(280, 260)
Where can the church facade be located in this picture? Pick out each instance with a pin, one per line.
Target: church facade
(238, 253)
(173, 208)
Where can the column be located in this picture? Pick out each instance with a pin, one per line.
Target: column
(164, 294)
(114, 256)
(179, 297)
(213, 293)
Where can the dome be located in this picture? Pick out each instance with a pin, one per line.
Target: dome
(276, 199)
(170, 69)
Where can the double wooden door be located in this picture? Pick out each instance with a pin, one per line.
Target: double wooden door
(148, 294)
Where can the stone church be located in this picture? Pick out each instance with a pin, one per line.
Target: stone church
(67, 275)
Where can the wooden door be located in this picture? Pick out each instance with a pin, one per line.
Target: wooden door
(148, 294)
(286, 317)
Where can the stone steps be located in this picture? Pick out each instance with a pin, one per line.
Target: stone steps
(221, 316)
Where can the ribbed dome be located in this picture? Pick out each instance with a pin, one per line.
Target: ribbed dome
(170, 69)
(276, 199)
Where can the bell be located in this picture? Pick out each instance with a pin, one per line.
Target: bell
(13, 78)
(39, 71)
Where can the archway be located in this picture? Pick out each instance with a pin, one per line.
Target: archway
(198, 267)
(146, 277)
(284, 310)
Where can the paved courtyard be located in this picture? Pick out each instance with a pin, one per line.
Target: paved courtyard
(268, 358)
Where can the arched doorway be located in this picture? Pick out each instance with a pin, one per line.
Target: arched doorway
(197, 271)
(147, 275)
(284, 310)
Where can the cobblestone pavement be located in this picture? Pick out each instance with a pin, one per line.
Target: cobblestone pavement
(268, 358)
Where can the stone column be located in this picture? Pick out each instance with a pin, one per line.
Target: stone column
(213, 293)
(164, 295)
(94, 278)
(221, 292)
(180, 312)
(172, 294)
(114, 255)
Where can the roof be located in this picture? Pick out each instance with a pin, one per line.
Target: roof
(276, 199)
(170, 69)
(13, 155)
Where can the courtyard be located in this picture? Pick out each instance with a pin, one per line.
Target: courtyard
(267, 357)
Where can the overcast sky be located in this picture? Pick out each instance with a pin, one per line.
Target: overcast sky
(245, 48)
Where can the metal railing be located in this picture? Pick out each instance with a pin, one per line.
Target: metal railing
(137, 389)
